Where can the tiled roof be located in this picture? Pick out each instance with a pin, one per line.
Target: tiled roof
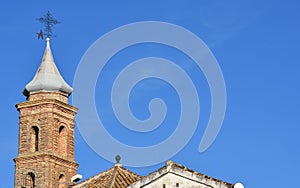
(115, 177)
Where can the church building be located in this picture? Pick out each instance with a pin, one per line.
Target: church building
(46, 144)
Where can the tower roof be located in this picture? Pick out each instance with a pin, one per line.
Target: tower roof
(47, 77)
(115, 177)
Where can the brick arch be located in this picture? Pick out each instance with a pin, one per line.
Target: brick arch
(34, 138)
(61, 123)
(62, 183)
(30, 179)
(63, 139)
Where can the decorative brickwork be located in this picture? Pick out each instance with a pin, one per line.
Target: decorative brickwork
(46, 141)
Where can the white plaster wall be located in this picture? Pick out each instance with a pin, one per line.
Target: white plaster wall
(170, 180)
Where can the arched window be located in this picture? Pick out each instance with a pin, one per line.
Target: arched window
(30, 180)
(34, 139)
(62, 181)
(62, 140)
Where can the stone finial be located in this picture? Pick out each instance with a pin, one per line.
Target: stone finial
(118, 158)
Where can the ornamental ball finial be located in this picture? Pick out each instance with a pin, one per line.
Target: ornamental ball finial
(118, 158)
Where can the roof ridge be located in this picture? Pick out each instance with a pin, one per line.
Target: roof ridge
(171, 163)
(114, 176)
(96, 175)
(169, 168)
(117, 176)
(129, 171)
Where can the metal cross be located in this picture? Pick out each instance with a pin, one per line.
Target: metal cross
(49, 22)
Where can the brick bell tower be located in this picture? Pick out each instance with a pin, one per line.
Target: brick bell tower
(46, 130)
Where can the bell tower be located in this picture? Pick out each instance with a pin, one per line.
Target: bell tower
(46, 130)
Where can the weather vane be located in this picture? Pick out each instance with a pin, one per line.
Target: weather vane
(49, 22)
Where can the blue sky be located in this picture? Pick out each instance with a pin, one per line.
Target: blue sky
(255, 43)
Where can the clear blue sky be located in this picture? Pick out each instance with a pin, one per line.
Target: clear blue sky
(256, 45)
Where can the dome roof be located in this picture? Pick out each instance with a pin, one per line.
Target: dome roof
(47, 77)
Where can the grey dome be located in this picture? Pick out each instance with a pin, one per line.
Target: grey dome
(47, 77)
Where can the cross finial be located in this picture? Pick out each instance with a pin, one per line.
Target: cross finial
(49, 22)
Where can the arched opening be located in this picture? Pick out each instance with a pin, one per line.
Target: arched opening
(34, 139)
(62, 140)
(62, 181)
(30, 180)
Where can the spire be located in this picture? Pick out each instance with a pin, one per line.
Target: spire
(47, 77)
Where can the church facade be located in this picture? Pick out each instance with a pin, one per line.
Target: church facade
(46, 144)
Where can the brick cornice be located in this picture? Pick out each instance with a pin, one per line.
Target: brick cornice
(42, 156)
(29, 104)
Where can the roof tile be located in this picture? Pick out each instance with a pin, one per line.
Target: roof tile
(115, 177)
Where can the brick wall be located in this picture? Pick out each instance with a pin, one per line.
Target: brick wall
(46, 140)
